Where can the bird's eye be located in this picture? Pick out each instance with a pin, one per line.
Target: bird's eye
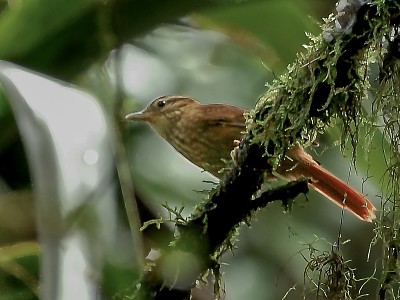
(161, 103)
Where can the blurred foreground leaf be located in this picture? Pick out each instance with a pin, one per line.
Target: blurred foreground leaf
(67, 143)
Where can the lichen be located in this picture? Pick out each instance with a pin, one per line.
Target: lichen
(301, 103)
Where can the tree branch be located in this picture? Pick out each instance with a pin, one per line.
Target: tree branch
(328, 81)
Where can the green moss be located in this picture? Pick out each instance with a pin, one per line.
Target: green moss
(301, 103)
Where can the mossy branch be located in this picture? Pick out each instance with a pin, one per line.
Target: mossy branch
(328, 81)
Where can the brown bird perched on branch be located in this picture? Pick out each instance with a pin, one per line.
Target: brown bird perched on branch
(206, 133)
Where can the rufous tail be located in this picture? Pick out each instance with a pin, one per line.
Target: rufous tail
(330, 186)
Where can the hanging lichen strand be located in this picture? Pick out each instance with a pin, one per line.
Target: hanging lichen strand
(386, 108)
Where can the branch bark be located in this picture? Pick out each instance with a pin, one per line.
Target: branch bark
(328, 81)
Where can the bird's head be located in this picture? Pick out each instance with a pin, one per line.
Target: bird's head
(163, 112)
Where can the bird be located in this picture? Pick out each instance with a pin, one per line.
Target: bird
(206, 134)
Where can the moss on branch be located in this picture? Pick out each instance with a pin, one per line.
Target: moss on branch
(328, 81)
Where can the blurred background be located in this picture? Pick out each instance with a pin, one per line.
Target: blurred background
(215, 51)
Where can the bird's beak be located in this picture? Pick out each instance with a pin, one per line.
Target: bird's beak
(139, 116)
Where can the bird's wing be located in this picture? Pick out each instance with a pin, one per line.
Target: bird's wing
(228, 117)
